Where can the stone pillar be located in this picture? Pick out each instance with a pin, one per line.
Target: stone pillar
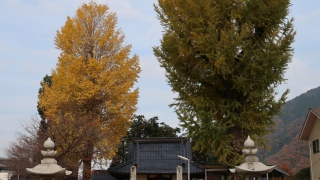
(47, 178)
(259, 177)
(256, 176)
(48, 169)
(133, 175)
(246, 177)
(179, 173)
(251, 167)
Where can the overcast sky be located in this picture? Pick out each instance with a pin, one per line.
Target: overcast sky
(27, 54)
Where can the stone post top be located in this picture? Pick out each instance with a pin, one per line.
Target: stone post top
(249, 143)
(48, 166)
(251, 162)
(249, 148)
(48, 144)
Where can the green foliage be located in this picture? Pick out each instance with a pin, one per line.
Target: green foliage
(225, 59)
(303, 174)
(47, 80)
(141, 127)
(203, 158)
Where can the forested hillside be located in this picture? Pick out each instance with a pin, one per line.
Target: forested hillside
(287, 150)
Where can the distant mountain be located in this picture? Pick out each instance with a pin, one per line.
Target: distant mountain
(286, 148)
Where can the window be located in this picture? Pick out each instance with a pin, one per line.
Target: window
(315, 145)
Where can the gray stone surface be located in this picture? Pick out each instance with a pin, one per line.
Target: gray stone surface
(48, 166)
(251, 163)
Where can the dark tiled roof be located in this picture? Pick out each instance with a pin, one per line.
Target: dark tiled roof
(102, 175)
(158, 156)
(282, 172)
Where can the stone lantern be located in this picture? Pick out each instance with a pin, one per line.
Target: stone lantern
(48, 169)
(251, 168)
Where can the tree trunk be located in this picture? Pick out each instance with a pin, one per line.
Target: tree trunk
(86, 160)
(74, 175)
(238, 138)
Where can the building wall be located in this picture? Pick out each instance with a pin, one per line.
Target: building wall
(4, 175)
(314, 157)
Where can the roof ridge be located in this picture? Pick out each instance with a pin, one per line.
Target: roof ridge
(119, 166)
(316, 111)
(160, 138)
(282, 171)
(195, 164)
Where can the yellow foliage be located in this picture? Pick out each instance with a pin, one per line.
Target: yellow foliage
(93, 81)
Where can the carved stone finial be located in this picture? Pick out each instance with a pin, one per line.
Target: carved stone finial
(49, 152)
(249, 143)
(48, 166)
(48, 144)
(251, 162)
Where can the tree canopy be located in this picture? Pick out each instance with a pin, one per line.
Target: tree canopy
(92, 92)
(141, 127)
(225, 60)
(303, 174)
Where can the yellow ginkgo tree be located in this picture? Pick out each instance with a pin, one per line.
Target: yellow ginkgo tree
(92, 86)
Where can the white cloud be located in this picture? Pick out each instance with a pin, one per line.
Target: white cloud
(307, 17)
(44, 61)
(301, 76)
(168, 118)
(11, 2)
(149, 114)
(54, 7)
(157, 95)
(10, 124)
(138, 22)
(155, 101)
(305, 23)
(19, 8)
(14, 100)
(3, 63)
(151, 69)
(126, 9)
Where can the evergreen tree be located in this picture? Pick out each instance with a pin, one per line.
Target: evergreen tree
(225, 59)
(303, 174)
(43, 123)
(141, 127)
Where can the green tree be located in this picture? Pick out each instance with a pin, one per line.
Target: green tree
(203, 158)
(141, 127)
(47, 80)
(303, 174)
(225, 59)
